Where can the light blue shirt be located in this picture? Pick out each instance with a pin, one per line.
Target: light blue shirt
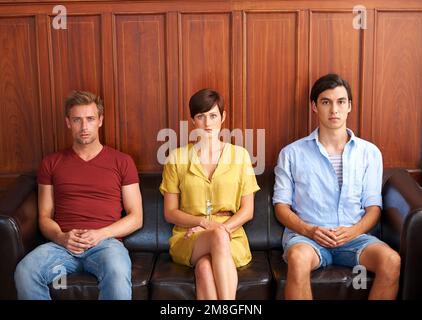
(305, 179)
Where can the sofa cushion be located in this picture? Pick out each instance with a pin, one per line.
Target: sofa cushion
(177, 282)
(171, 281)
(255, 279)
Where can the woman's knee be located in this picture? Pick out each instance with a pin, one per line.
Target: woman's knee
(220, 239)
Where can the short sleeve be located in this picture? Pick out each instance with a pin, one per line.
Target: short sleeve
(372, 180)
(170, 182)
(283, 187)
(130, 173)
(45, 172)
(249, 184)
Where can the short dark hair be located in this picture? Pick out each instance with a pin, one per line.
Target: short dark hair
(83, 98)
(329, 81)
(204, 100)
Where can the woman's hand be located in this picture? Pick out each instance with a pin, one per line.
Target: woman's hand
(207, 224)
(192, 230)
(210, 225)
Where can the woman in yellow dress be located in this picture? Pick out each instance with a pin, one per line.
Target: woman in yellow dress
(208, 190)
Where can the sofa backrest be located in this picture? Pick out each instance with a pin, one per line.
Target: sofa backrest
(263, 231)
(155, 231)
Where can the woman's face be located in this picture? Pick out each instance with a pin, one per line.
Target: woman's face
(209, 121)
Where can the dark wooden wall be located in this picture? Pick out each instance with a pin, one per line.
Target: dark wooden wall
(146, 58)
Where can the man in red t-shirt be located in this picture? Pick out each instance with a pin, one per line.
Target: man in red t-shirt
(81, 193)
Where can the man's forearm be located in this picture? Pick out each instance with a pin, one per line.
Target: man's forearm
(291, 220)
(50, 229)
(122, 227)
(369, 220)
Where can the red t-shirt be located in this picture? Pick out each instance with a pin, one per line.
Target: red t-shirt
(87, 194)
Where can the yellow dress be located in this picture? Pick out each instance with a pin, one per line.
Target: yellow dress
(232, 179)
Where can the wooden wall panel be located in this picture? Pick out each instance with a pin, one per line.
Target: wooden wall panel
(335, 47)
(76, 65)
(397, 121)
(205, 44)
(141, 75)
(146, 58)
(20, 120)
(271, 64)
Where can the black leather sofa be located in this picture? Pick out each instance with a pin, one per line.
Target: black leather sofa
(155, 276)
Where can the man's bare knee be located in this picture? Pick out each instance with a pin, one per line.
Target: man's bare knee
(390, 265)
(302, 257)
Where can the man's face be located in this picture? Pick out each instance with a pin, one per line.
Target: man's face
(84, 122)
(332, 108)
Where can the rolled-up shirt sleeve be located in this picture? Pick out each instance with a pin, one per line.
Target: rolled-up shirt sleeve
(283, 187)
(372, 181)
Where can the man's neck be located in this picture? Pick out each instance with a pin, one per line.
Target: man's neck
(333, 140)
(87, 151)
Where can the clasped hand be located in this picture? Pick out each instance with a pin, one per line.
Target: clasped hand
(79, 240)
(333, 237)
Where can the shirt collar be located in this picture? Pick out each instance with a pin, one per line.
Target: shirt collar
(223, 165)
(315, 135)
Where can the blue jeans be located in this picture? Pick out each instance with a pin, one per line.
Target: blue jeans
(49, 263)
(346, 255)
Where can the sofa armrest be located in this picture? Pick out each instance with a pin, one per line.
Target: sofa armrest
(18, 230)
(402, 227)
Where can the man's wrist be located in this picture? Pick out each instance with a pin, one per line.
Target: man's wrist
(356, 231)
(59, 238)
(105, 233)
(308, 231)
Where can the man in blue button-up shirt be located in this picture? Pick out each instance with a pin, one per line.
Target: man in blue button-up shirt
(327, 193)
